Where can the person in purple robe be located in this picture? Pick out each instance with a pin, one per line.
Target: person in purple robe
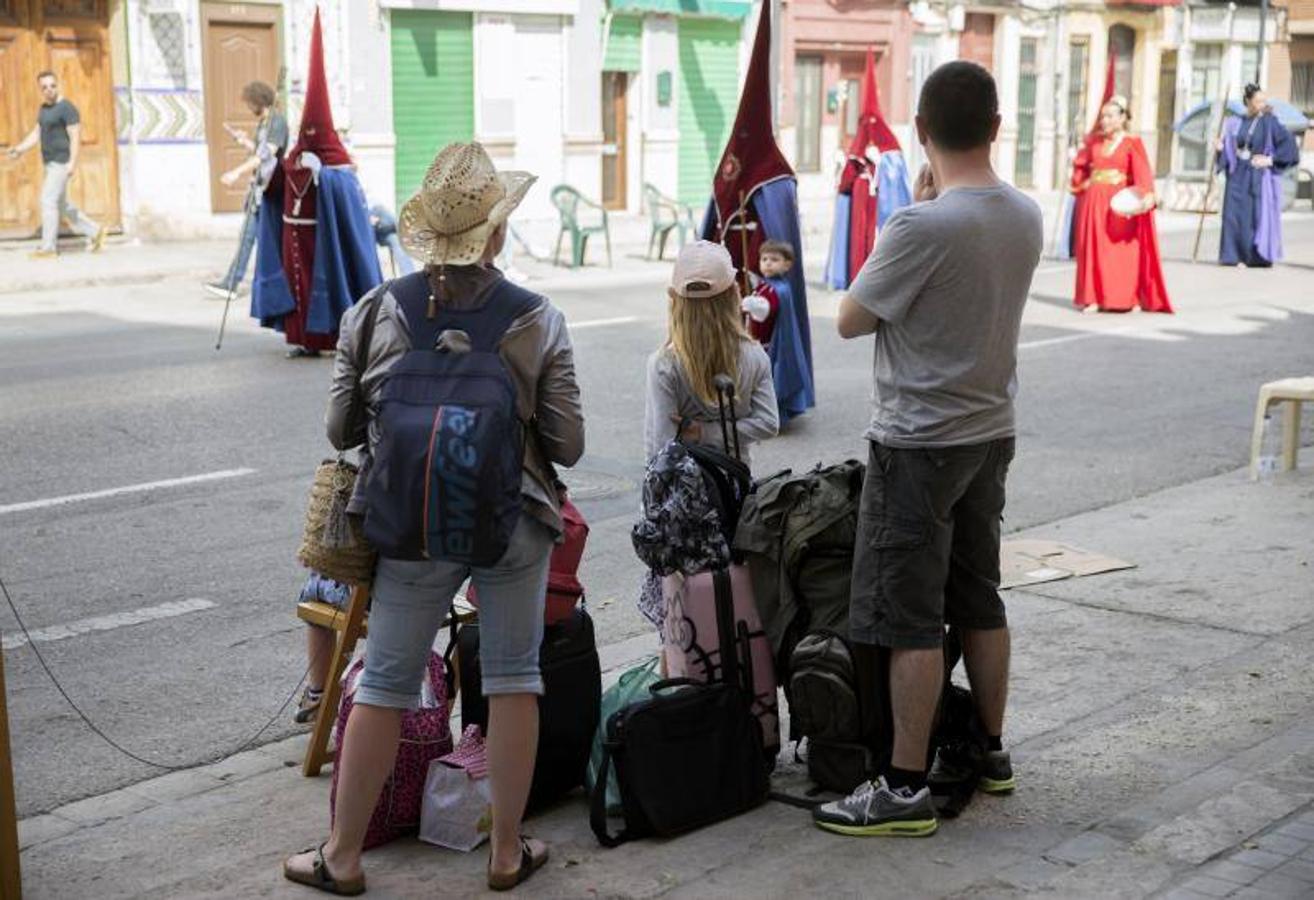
(1253, 151)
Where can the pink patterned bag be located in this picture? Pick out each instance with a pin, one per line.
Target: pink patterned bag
(426, 735)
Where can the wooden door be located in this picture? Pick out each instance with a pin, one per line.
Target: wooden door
(1163, 158)
(239, 45)
(78, 54)
(20, 180)
(614, 139)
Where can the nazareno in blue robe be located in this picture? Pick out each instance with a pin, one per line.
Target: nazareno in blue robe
(1252, 201)
(346, 259)
(775, 206)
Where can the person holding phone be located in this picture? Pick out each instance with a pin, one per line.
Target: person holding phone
(266, 149)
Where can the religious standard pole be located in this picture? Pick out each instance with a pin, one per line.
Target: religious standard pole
(1263, 41)
(1213, 168)
(11, 884)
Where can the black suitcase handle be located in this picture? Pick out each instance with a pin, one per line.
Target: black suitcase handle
(725, 397)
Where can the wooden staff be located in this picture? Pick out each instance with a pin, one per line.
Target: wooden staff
(1209, 185)
(11, 884)
(743, 240)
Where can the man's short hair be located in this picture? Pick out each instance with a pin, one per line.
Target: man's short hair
(780, 248)
(958, 106)
(46, 73)
(259, 94)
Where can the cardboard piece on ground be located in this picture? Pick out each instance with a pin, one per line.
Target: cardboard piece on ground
(1024, 562)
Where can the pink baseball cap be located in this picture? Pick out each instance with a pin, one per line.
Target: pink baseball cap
(703, 269)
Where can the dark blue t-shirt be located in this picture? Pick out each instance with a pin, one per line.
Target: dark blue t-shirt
(54, 121)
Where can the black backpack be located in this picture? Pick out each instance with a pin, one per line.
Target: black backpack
(833, 702)
(446, 478)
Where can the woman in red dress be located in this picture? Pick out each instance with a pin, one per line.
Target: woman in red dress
(1118, 267)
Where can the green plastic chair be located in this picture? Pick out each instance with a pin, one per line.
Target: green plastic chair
(573, 207)
(666, 215)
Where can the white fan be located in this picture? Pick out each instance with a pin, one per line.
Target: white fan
(1127, 202)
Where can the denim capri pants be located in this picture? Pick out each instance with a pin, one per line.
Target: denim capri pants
(411, 599)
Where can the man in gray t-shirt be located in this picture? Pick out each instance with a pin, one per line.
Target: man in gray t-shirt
(943, 292)
(59, 132)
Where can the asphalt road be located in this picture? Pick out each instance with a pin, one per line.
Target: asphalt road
(102, 389)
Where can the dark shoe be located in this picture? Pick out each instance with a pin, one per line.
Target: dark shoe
(956, 765)
(321, 879)
(873, 810)
(302, 353)
(309, 705)
(529, 864)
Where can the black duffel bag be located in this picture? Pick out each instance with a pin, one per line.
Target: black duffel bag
(684, 758)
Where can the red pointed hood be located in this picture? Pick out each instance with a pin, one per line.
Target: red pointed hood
(872, 127)
(317, 135)
(1106, 96)
(751, 158)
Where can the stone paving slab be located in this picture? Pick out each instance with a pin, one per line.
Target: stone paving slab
(1151, 749)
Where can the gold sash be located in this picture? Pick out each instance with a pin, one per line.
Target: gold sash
(1108, 176)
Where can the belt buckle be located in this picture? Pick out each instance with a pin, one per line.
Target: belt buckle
(1243, 154)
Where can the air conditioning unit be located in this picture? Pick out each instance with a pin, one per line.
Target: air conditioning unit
(957, 18)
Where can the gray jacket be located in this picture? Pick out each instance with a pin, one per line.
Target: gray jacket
(536, 350)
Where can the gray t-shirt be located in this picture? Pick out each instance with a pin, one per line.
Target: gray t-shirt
(948, 279)
(54, 120)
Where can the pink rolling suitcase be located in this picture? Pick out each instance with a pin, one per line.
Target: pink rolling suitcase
(711, 618)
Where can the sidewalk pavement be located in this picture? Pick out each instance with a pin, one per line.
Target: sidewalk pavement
(1161, 721)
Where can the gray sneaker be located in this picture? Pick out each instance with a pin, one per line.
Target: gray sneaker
(875, 810)
(992, 769)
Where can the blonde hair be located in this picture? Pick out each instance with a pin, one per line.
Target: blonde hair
(705, 333)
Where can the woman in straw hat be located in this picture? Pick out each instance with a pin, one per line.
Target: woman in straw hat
(456, 223)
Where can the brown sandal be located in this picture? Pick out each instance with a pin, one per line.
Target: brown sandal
(529, 864)
(321, 879)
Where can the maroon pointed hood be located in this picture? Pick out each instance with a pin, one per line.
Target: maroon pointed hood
(873, 130)
(317, 134)
(751, 158)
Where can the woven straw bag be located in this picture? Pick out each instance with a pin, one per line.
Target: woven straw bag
(333, 542)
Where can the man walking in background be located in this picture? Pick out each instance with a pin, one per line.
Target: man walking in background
(266, 148)
(943, 292)
(59, 132)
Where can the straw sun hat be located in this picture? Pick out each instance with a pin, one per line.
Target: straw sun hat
(462, 199)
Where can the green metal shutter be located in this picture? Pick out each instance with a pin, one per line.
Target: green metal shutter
(432, 89)
(624, 50)
(708, 96)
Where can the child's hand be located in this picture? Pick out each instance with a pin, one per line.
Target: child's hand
(693, 429)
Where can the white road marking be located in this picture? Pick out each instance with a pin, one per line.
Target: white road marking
(127, 489)
(600, 323)
(107, 623)
(1069, 338)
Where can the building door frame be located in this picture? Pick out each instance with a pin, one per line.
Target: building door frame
(1163, 155)
(615, 139)
(30, 31)
(214, 13)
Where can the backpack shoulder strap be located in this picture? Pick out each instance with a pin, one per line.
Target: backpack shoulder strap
(506, 303)
(412, 294)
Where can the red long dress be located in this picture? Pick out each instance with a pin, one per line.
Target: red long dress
(1118, 264)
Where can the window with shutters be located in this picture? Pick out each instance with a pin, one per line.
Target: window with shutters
(1024, 166)
(1302, 87)
(1122, 43)
(1078, 83)
(807, 95)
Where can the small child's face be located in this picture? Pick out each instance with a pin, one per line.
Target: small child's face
(773, 264)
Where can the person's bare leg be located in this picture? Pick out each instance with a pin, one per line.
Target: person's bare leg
(915, 681)
(986, 658)
(319, 653)
(366, 757)
(512, 747)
